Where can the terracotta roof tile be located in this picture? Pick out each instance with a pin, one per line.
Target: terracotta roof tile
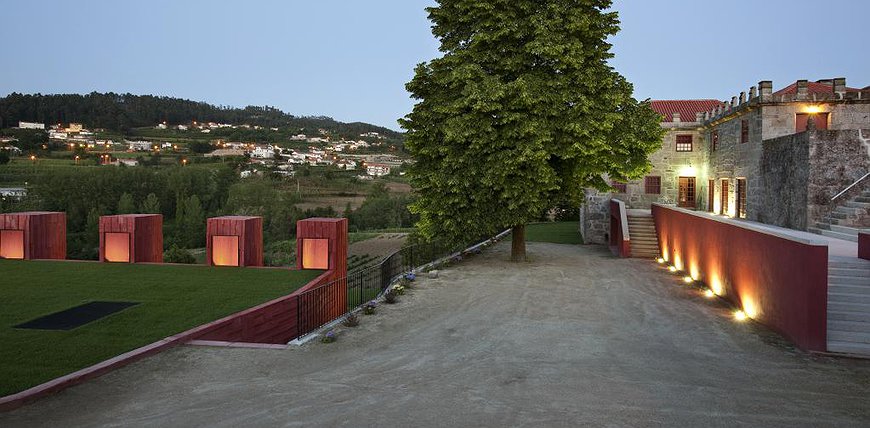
(813, 87)
(686, 108)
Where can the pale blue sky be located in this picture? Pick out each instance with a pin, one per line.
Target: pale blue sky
(350, 59)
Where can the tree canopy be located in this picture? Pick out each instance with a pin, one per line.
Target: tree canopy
(522, 112)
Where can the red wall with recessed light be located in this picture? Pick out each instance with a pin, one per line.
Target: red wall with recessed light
(145, 232)
(248, 230)
(780, 282)
(44, 233)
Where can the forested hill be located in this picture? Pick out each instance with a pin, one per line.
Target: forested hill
(125, 111)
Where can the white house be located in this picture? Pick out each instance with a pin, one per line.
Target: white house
(263, 152)
(31, 125)
(377, 169)
(346, 164)
(15, 193)
(139, 146)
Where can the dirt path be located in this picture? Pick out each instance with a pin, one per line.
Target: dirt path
(573, 338)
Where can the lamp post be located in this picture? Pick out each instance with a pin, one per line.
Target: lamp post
(77, 159)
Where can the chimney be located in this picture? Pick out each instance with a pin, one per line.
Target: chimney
(803, 90)
(839, 87)
(699, 116)
(752, 93)
(733, 102)
(675, 117)
(742, 97)
(765, 89)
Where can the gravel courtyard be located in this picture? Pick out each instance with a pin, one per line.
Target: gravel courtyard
(575, 337)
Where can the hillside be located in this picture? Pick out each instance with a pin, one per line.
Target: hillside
(122, 112)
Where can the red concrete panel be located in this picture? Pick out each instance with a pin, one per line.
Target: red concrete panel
(44, 233)
(145, 236)
(618, 244)
(864, 246)
(780, 282)
(249, 231)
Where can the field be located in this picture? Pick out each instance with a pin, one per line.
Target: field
(172, 299)
(563, 232)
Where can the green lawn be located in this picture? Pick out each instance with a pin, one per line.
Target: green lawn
(172, 299)
(564, 232)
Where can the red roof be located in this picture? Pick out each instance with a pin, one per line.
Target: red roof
(686, 108)
(813, 87)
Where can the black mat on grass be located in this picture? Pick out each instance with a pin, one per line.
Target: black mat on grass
(76, 316)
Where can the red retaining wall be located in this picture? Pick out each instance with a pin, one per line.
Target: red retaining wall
(778, 280)
(620, 243)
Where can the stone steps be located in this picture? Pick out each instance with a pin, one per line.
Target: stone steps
(832, 234)
(848, 314)
(644, 240)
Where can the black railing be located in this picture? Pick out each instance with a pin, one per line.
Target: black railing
(323, 304)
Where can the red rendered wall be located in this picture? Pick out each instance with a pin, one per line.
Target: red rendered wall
(44, 233)
(618, 245)
(779, 282)
(864, 246)
(250, 233)
(146, 235)
(279, 321)
(324, 303)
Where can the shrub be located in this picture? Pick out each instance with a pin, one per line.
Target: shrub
(329, 337)
(390, 297)
(178, 255)
(369, 308)
(351, 321)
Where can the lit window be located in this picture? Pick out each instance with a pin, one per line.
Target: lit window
(684, 143)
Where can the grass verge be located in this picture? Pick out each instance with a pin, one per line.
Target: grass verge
(172, 299)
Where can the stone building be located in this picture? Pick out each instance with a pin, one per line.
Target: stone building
(780, 158)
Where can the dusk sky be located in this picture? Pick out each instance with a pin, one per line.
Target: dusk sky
(351, 59)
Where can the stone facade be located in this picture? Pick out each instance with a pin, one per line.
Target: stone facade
(785, 174)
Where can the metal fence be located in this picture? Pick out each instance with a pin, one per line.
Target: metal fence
(323, 304)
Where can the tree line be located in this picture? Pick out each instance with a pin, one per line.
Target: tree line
(122, 112)
(186, 197)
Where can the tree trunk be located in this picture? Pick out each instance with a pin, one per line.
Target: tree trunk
(518, 243)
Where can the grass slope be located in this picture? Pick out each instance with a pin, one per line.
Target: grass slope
(563, 232)
(173, 299)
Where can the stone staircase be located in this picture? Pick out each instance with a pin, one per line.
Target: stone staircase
(644, 241)
(849, 305)
(846, 220)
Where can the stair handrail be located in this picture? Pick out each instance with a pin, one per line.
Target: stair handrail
(849, 187)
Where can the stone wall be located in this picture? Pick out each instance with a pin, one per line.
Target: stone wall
(595, 217)
(669, 164)
(800, 173)
(837, 159)
(784, 181)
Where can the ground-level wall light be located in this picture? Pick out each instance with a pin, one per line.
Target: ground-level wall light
(740, 315)
(688, 279)
(660, 260)
(672, 268)
(709, 294)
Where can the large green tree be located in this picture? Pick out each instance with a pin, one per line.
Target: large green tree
(521, 112)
